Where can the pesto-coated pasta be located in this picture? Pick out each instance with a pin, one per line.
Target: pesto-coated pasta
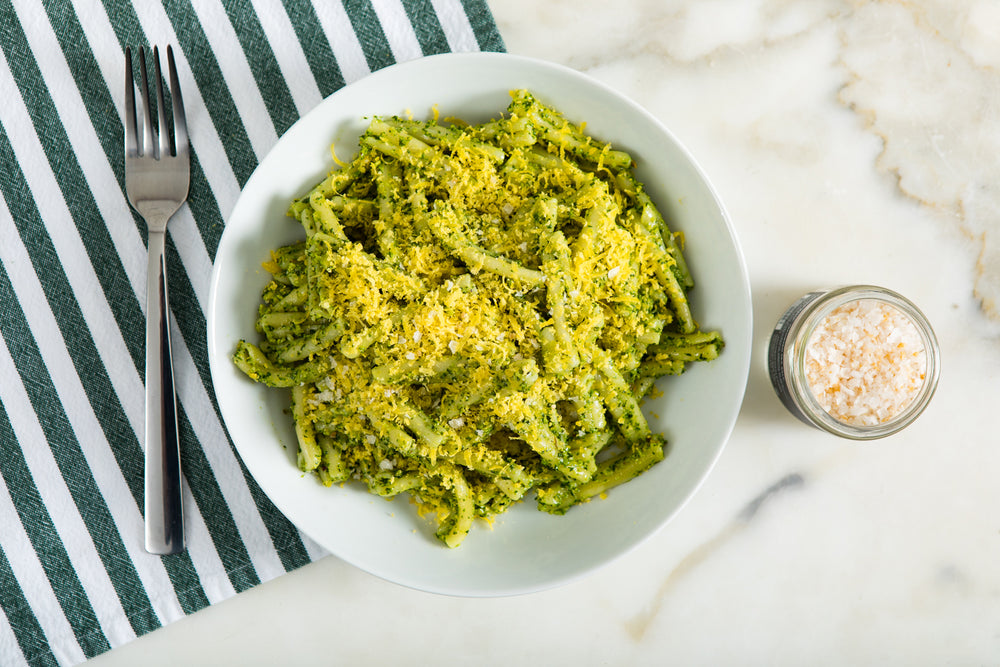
(475, 313)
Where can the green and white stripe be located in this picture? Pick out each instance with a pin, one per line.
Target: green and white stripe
(74, 578)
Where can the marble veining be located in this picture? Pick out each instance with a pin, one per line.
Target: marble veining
(942, 153)
(639, 625)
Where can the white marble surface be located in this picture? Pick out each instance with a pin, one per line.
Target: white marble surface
(851, 142)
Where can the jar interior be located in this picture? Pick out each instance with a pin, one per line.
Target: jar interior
(841, 330)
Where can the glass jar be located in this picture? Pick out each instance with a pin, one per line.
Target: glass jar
(861, 361)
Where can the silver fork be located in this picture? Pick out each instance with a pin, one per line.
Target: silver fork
(157, 176)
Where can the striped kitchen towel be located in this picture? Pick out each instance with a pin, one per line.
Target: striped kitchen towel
(74, 578)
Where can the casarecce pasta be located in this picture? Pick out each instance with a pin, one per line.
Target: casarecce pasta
(475, 312)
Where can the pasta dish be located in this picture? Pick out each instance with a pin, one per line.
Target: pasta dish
(475, 314)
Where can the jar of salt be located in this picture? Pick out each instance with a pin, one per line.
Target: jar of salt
(861, 361)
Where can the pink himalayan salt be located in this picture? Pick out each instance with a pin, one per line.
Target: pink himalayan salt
(865, 362)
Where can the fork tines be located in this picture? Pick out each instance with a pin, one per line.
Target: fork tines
(162, 144)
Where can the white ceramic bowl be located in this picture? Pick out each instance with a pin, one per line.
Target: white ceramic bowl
(526, 550)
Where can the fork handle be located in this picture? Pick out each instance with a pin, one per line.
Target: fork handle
(164, 508)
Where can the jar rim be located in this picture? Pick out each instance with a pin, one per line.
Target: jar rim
(804, 326)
